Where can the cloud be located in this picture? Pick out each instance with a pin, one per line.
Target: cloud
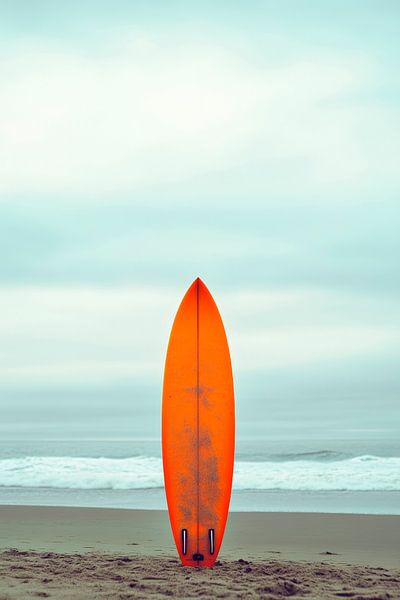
(82, 335)
(150, 112)
(141, 148)
(88, 336)
(285, 347)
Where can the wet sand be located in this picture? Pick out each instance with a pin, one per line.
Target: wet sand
(64, 553)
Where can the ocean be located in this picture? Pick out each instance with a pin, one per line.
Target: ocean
(339, 476)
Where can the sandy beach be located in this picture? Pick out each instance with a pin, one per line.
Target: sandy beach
(81, 553)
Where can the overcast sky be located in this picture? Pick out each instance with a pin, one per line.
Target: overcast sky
(255, 144)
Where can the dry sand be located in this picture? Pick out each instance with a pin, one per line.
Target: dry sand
(77, 553)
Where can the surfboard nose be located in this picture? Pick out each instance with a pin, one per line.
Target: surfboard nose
(198, 282)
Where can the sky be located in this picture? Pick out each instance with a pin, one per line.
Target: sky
(254, 144)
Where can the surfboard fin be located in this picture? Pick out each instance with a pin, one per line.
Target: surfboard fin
(184, 535)
(211, 540)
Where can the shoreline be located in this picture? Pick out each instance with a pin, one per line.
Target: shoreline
(325, 502)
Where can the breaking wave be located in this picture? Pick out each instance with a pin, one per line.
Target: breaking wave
(359, 473)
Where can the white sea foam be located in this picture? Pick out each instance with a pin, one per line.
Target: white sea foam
(360, 473)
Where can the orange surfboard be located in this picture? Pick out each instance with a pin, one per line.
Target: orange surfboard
(198, 428)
